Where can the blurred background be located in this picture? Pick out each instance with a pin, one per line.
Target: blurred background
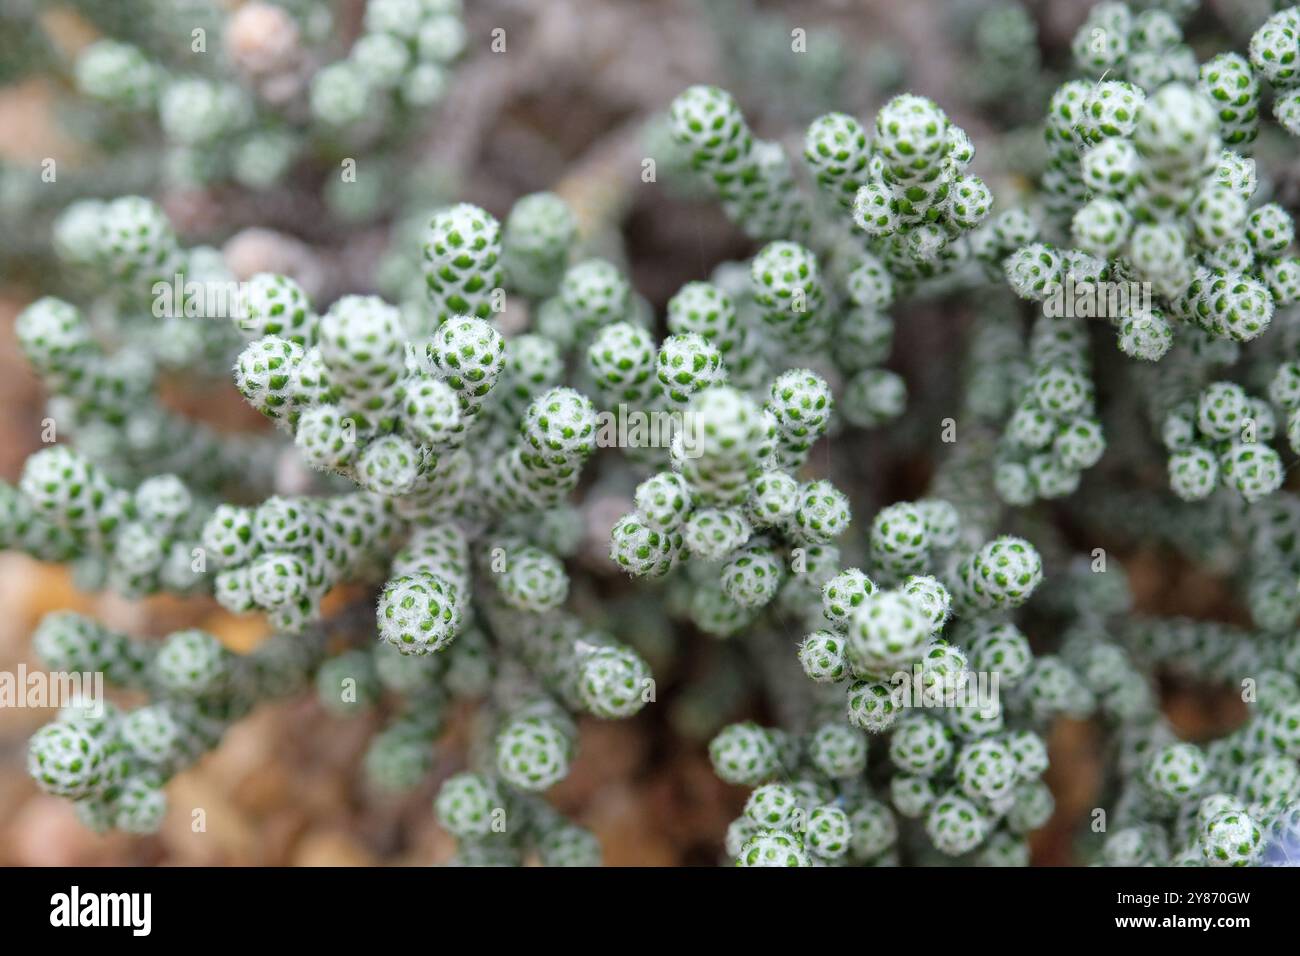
(573, 104)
